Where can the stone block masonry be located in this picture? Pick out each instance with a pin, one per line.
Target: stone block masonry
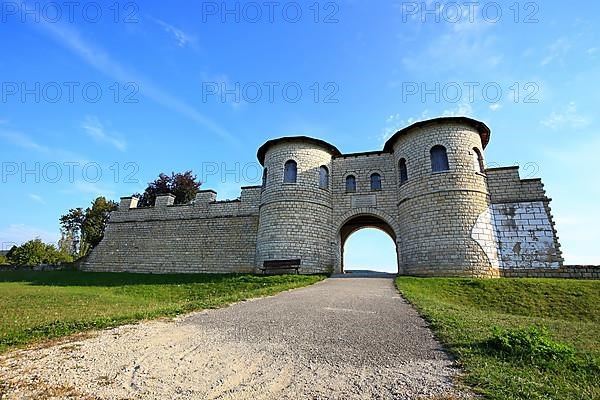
(525, 230)
(205, 236)
(427, 189)
(565, 272)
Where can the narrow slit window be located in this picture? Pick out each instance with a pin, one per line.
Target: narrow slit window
(478, 161)
(264, 178)
(403, 171)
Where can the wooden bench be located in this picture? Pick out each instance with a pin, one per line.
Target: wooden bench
(278, 265)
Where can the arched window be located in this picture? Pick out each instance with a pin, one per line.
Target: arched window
(478, 161)
(264, 178)
(402, 171)
(350, 183)
(439, 159)
(290, 172)
(323, 177)
(375, 182)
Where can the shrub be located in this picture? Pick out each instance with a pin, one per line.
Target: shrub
(530, 344)
(36, 252)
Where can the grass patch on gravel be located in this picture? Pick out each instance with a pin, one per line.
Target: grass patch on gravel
(517, 338)
(42, 305)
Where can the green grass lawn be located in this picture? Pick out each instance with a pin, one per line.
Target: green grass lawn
(40, 305)
(516, 362)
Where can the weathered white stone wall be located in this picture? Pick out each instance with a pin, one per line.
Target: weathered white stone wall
(484, 233)
(525, 235)
(525, 229)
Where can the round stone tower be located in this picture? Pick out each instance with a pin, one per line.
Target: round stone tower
(443, 198)
(295, 219)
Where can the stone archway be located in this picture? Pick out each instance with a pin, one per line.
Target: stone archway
(364, 218)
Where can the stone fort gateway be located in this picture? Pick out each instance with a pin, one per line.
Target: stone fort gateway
(428, 189)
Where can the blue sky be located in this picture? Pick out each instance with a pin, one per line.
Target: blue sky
(133, 89)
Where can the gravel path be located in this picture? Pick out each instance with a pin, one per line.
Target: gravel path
(343, 338)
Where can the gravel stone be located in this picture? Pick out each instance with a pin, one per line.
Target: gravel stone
(343, 338)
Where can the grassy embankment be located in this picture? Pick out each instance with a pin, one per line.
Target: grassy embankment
(42, 305)
(517, 338)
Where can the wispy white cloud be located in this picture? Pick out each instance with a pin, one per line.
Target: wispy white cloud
(17, 234)
(104, 62)
(568, 117)
(26, 142)
(90, 188)
(96, 130)
(396, 122)
(463, 109)
(234, 93)
(37, 198)
(495, 106)
(82, 187)
(22, 140)
(456, 44)
(181, 38)
(557, 51)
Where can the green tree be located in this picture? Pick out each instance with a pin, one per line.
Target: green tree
(11, 252)
(36, 252)
(86, 228)
(66, 244)
(71, 226)
(96, 219)
(184, 186)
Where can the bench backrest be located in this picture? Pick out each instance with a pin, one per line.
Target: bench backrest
(281, 263)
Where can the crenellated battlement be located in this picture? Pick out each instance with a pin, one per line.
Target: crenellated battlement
(506, 186)
(205, 205)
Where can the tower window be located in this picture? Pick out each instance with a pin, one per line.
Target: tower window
(323, 177)
(439, 159)
(350, 183)
(402, 171)
(375, 182)
(478, 161)
(290, 172)
(264, 178)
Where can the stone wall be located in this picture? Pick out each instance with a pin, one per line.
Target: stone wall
(205, 236)
(364, 201)
(524, 224)
(485, 234)
(438, 210)
(296, 218)
(465, 221)
(564, 272)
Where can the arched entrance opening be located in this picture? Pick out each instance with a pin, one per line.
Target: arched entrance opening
(375, 244)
